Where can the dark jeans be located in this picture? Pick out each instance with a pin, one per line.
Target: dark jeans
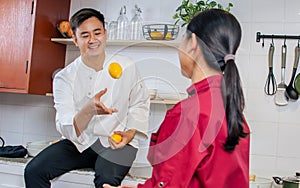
(111, 166)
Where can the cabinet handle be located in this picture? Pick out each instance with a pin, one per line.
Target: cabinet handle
(32, 5)
(26, 70)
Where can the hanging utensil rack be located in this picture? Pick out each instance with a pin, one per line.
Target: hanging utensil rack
(265, 36)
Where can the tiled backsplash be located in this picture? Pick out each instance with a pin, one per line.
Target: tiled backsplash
(25, 118)
(275, 130)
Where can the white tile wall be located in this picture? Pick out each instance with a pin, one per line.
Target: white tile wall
(268, 11)
(13, 117)
(291, 11)
(264, 138)
(275, 130)
(243, 9)
(26, 118)
(265, 166)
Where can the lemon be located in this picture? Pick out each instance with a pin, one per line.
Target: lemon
(168, 36)
(156, 35)
(115, 70)
(116, 138)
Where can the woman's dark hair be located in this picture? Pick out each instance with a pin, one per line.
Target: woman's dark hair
(221, 33)
(84, 14)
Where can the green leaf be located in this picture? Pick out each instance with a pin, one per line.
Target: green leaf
(200, 3)
(176, 16)
(184, 24)
(212, 4)
(178, 8)
(187, 10)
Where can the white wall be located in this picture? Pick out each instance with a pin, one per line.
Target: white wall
(274, 129)
(25, 118)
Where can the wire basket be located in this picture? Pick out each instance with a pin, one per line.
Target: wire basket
(160, 31)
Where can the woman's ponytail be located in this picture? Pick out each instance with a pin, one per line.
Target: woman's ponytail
(234, 105)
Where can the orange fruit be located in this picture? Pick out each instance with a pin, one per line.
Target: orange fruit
(70, 33)
(116, 138)
(169, 36)
(115, 70)
(156, 35)
(64, 26)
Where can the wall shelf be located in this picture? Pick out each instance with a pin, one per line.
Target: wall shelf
(152, 101)
(164, 101)
(146, 43)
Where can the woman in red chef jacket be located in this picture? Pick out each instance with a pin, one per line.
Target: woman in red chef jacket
(203, 141)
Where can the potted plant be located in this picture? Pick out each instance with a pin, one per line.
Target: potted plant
(186, 11)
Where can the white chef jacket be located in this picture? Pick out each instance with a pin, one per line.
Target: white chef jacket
(77, 83)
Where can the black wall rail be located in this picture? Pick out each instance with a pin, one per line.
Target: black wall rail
(263, 36)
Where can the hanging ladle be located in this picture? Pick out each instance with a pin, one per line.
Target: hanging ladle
(290, 91)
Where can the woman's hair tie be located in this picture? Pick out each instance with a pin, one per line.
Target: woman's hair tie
(229, 57)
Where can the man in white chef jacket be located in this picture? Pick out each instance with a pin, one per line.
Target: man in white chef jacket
(91, 105)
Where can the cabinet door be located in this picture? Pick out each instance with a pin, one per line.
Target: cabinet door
(15, 42)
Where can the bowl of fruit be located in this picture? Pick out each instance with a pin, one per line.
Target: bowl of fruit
(160, 31)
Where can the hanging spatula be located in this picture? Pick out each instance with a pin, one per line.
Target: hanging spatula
(280, 97)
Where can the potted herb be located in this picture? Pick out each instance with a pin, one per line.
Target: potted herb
(186, 11)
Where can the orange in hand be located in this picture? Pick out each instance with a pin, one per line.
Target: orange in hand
(116, 138)
(115, 70)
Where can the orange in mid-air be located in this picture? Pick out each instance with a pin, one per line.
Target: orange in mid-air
(115, 70)
(116, 138)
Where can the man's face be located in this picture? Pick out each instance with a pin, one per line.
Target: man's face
(91, 37)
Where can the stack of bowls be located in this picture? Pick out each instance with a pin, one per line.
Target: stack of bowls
(34, 148)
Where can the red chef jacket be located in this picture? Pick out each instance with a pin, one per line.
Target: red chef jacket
(187, 150)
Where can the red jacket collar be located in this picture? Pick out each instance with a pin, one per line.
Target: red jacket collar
(209, 82)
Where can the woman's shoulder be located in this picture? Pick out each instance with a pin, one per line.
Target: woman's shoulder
(175, 110)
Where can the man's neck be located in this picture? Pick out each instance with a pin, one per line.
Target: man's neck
(94, 62)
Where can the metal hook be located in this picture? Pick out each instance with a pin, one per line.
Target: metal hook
(299, 42)
(263, 42)
(284, 40)
(272, 40)
(124, 9)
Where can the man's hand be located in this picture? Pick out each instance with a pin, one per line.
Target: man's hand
(127, 136)
(98, 106)
(93, 107)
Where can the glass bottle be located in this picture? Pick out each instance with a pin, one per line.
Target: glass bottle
(113, 28)
(122, 25)
(136, 25)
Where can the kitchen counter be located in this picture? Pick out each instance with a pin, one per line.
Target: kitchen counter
(14, 160)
